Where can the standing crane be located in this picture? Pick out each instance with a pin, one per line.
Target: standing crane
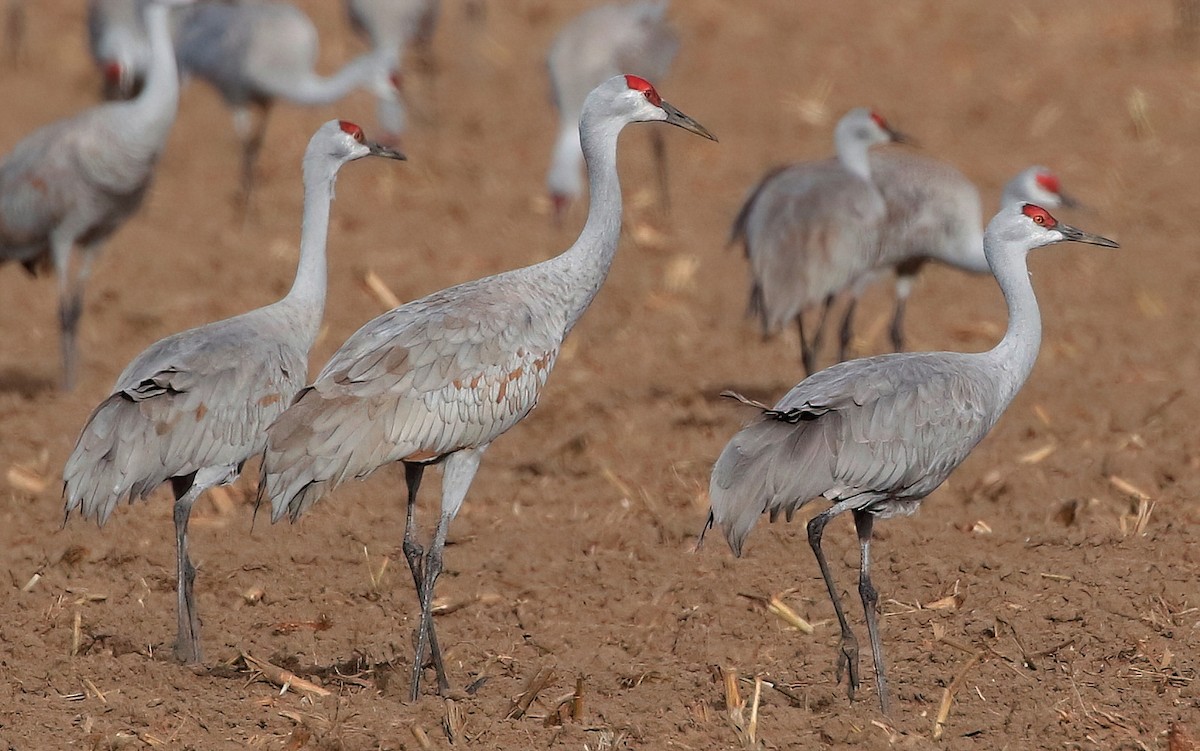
(810, 228)
(256, 53)
(934, 213)
(75, 181)
(594, 46)
(193, 407)
(875, 436)
(119, 44)
(395, 25)
(438, 379)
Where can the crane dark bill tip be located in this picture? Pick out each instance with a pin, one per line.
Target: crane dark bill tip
(677, 118)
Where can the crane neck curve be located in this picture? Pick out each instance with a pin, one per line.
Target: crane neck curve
(368, 70)
(307, 295)
(1017, 351)
(585, 264)
(854, 155)
(147, 119)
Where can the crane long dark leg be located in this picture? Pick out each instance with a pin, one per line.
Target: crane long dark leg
(187, 640)
(252, 129)
(70, 303)
(809, 351)
(905, 276)
(460, 470)
(847, 331)
(863, 522)
(415, 555)
(848, 650)
(659, 144)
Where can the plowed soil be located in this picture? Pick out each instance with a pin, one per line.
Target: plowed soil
(1027, 586)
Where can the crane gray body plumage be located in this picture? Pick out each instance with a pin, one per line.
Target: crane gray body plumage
(810, 228)
(199, 400)
(806, 229)
(75, 181)
(885, 431)
(450, 371)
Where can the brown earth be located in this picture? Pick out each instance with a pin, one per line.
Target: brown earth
(1025, 583)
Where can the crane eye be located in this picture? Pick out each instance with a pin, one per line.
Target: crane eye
(1039, 219)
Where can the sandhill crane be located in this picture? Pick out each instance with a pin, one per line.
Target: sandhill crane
(597, 44)
(934, 213)
(438, 379)
(255, 53)
(810, 228)
(875, 436)
(75, 181)
(194, 406)
(119, 45)
(395, 25)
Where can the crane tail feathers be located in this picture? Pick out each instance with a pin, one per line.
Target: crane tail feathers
(767, 467)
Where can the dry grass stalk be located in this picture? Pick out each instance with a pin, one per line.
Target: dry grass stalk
(33, 580)
(1145, 506)
(454, 722)
(87, 682)
(1038, 455)
(77, 633)
(445, 606)
(948, 695)
(26, 480)
(577, 700)
(537, 683)
(779, 608)
(746, 728)
(376, 577)
(380, 291)
(285, 679)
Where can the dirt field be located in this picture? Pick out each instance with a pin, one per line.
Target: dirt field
(1026, 583)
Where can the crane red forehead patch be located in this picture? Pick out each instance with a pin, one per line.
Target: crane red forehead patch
(352, 130)
(644, 86)
(878, 118)
(1040, 216)
(1048, 181)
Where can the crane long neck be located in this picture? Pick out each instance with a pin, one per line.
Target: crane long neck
(854, 154)
(585, 264)
(307, 295)
(363, 71)
(146, 121)
(1016, 353)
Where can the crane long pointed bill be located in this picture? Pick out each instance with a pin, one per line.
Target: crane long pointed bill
(675, 117)
(1079, 236)
(384, 151)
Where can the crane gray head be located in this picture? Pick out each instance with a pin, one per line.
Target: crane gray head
(343, 141)
(866, 127)
(1030, 226)
(619, 100)
(1037, 185)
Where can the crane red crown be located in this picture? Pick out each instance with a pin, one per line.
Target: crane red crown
(1040, 216)
(352, 130)
(878, 118)
(1049, 181)
(644, 86)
